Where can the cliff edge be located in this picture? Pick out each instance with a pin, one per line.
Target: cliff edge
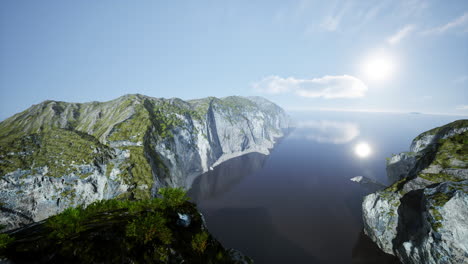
(421, 217)
(56, 155)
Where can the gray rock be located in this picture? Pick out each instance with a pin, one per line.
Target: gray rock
(184, 220)
(368, 183)
(421, 217)
(441, 235)
(206, 132)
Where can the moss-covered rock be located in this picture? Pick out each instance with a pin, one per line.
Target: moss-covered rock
(64, 154)
(119, 231)
(421, 217)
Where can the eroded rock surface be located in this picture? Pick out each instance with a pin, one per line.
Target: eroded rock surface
(421, 217)
(57, 154)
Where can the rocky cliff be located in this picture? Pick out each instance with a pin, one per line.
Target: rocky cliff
(167, 229)
(56, 154)
(421, 217)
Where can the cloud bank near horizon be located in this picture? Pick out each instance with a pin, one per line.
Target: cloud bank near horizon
(328, 87)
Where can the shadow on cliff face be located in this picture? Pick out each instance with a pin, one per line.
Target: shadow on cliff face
(410, 222)
(251, 231)
(224, 177)
(367, 252)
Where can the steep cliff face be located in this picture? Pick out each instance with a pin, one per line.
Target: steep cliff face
(55, 154)
(421, 217)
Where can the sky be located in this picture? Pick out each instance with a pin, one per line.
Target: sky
(395, 56)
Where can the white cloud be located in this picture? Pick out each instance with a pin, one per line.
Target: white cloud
(458, 22)
(462, 107)
(327, 131)
(342, 86)
(402, 33)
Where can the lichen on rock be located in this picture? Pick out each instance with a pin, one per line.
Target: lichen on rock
(421, 218)
(57, 154)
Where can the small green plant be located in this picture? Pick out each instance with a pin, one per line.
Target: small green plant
(148, 228)
(173, 197)
(5, 240)
(200, 242)
(67, 223)
(162, 254)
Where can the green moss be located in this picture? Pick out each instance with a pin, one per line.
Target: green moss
(199, 242)
(137, 171)
(436, 222)
(109, 168)
(152, 226)
(454, 125)
(453, 148)
(71, 193)
(438, 177)
(236, 105)
(396, 186)
(164, 116)
(438, 199)
(173, 197)
(134, 128)
(146, 228)
(58, 149)
(67, 223)
(5, 240)
(113, 231)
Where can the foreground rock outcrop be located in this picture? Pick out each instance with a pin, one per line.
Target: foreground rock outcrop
(422, 216)
(55, 155)
(168, 229)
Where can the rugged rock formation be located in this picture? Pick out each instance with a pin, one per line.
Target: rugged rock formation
(55, 154)
(368, 183)
(421, 218)
(163, 230)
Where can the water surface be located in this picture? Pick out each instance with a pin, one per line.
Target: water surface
(297, 205)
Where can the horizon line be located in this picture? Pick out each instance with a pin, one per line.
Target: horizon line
(327, 109)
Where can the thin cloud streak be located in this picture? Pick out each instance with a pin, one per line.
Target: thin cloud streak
(460, 21)
(402, 33)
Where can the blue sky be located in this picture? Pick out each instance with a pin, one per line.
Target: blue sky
(332, 55)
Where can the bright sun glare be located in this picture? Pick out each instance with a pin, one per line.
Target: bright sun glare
(378, 66)
(362, 150)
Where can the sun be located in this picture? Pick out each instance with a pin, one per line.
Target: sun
(378, 66)
(362, 150)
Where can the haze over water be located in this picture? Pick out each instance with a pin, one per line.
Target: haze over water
(298, 205)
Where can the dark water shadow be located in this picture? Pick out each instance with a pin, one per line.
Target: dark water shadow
(251, 231)
(367, 252)
(225, 176)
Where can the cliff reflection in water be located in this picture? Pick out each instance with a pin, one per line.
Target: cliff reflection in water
(225, 176)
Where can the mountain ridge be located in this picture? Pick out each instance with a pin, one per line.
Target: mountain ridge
(61, 153)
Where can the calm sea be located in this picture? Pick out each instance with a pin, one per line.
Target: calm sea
(297, 205)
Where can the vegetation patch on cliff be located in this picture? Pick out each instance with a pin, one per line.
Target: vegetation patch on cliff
(57, 149)
(116, 231)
